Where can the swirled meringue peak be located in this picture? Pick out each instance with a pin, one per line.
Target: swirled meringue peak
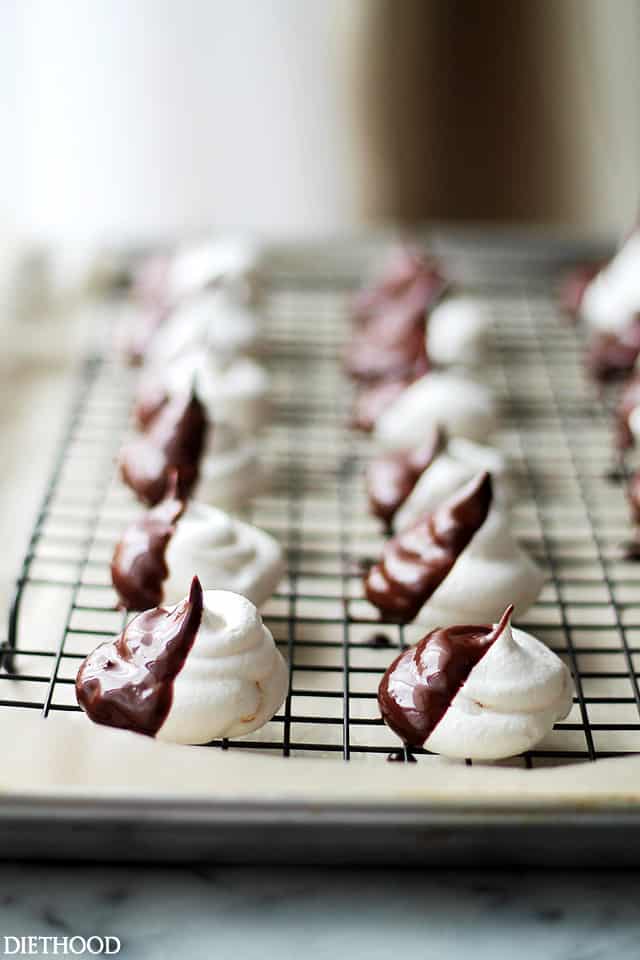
(225, 553)
(458, 562)
(213, 319)
(204, 669)
(458, 331)
(405, 484)
(483, 692)
(463, 407)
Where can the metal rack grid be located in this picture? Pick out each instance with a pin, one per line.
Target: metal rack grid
(554, 427)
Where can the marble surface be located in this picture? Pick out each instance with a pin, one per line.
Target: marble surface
(317, 913)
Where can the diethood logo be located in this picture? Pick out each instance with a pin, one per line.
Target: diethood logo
(60, 946)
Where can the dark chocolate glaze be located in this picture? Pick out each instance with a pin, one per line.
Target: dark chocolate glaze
(392, 477)
(419, 686)
(138, 567)
(629, 400)
(380, 640)
(612, 356)
(174, 438)
(416, 561)
(128, 682)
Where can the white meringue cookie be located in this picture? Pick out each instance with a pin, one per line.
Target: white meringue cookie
(508, 703)
(458, 331)
(223, 553)
(613, 297)
(230, 473)
(463, 407)
(454, 466)
(490, 573)
(233, 679)
(232, 262)
(233, 389)
(211, 320)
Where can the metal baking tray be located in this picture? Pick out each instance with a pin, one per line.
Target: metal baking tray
(314, 784)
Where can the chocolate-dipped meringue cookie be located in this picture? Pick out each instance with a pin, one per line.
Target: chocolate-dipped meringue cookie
(455, 463)
(224, 552)
(174, 438)
(392, 476)
(213, 320)
(204, 669)
(458, 331)
(159, 553)
(458, 562)
(613, 355)
(483, 692)
(462, 406)
(409, 278)
(139, 565)
(612, 299)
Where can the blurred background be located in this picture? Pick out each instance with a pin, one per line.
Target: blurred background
(126, 122)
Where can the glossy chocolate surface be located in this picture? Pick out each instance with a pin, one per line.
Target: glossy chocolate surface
(128, 682)
(174, 439)
(392, 476)
(419, 686)
(138, 567)
(416, 561)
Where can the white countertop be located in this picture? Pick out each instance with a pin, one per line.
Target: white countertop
(201, 912)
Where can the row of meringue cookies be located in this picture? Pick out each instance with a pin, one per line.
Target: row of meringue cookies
(197, 664)
(605, 298)
(443, 495)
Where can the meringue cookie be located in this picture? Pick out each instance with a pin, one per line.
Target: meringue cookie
(224, 553)
(230, 473)
(458, 331)
(484, 692)
(451, 468)
(232, 262)
(463, 407)
(212, 319)
(611, 300)
(233, 389)
(491, 572)
(509, 702)
(204, 669)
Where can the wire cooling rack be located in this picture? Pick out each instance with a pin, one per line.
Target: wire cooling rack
(568, 514)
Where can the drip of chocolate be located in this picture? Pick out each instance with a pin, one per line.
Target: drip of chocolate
(128, 682)
(392, 477)
(138, 567)
(419, 686)
(629, 400)
(611, 356)
(415, 562)
(174, 438)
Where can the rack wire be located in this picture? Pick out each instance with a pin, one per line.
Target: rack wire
(556, 430)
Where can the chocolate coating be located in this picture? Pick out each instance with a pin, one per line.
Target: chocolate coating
(174, 438)
(391, 346)
(128, 682)
(411, 278)
(138, 567)
(392, 477)
(416, 561)
(419, 686)
(611, 356)
(629, 400)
